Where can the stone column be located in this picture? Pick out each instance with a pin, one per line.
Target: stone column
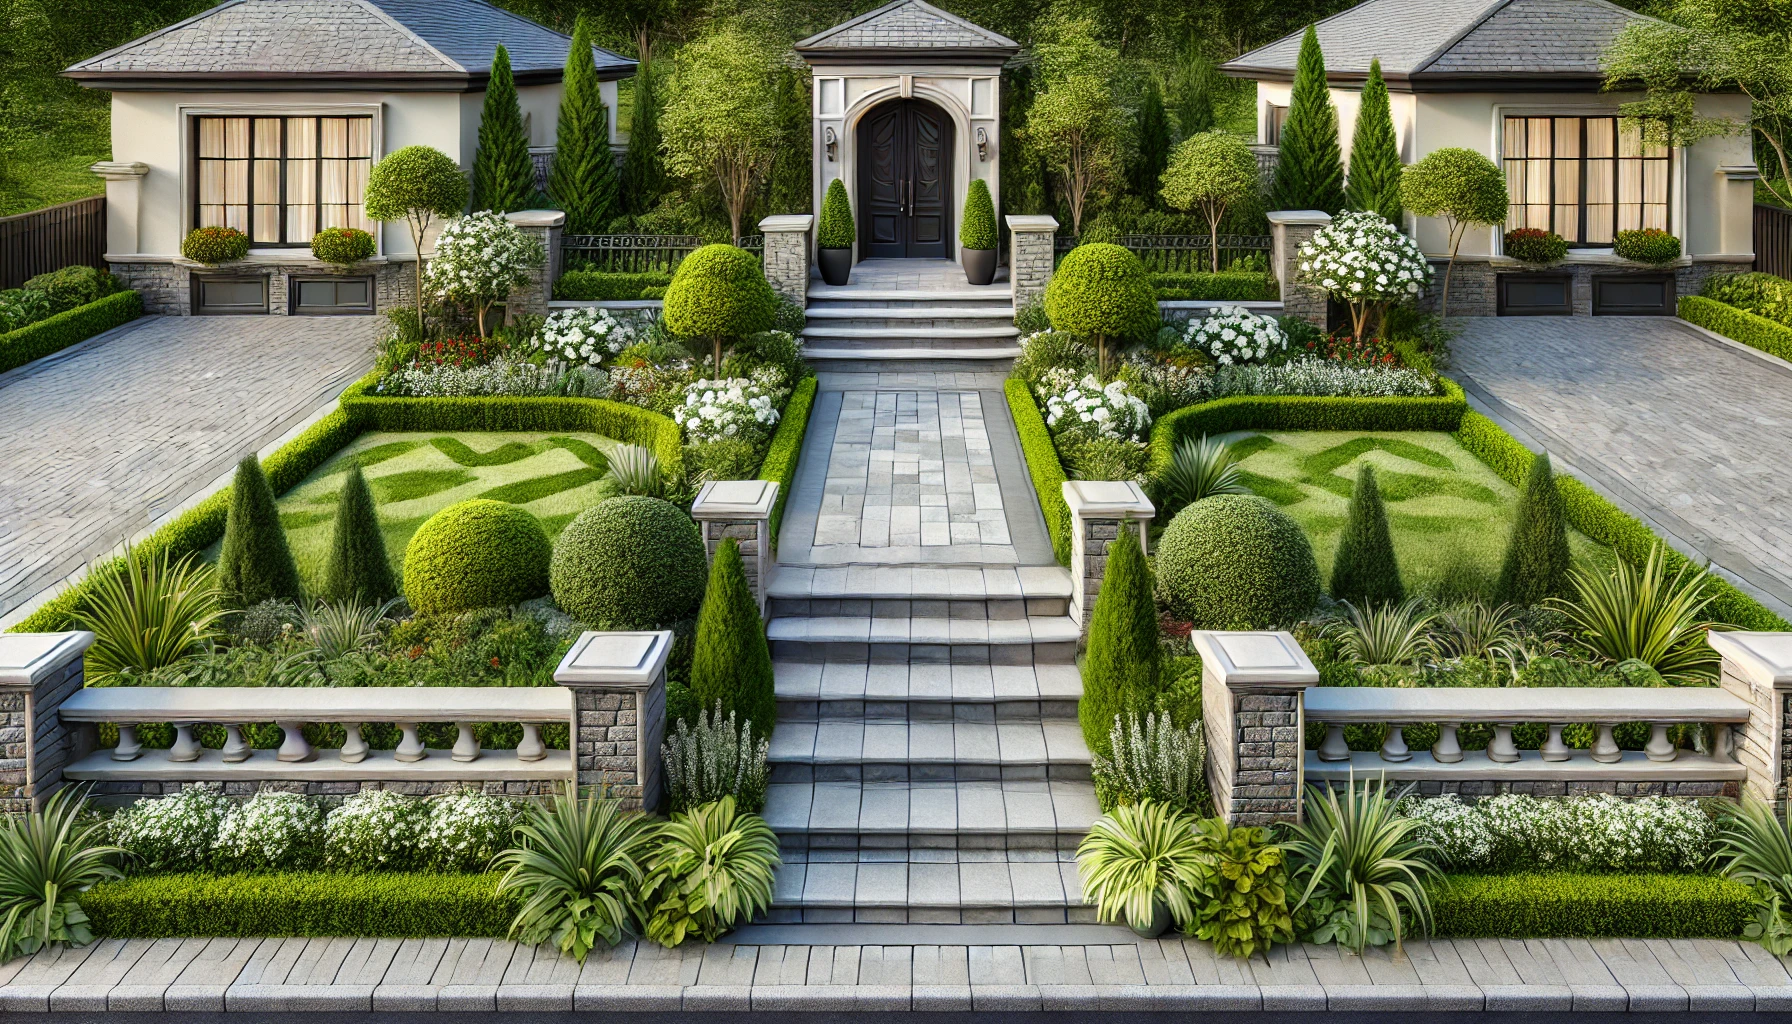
(547, 226)
(787, 254)
(38, 671)
(741, 509)
(1288, 229)
(124, 201)
(1030, 255)
(1098, 511)
(1758, 668)
(618, 682)
(1253, 689)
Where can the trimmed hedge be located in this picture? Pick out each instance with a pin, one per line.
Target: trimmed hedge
(786, 447)
(477, 553)
(382, 905)
(603, 286)
(1224, 286)
(53, 334)
(1751, 329)
(1042, 465)
(1563, 905)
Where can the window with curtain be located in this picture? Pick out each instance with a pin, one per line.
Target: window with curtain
(281, 180)
(1585, 178)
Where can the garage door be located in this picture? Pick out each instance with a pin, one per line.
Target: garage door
(1534, 295)
(1633, 294)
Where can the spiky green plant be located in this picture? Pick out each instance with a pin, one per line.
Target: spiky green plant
(1151, 759)
(343, 627)
(1386, 634)
(1365, 570)
(1646, 614)
(636, 470)
(1479, 630)
(712, 870)
(1755, 847)
(47, 858)
(1199, 469)
(154, 612)
(1360, 867)
(714, 758)
(1138, 857)
(578, 870)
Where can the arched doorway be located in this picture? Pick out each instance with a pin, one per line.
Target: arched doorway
(905, 181)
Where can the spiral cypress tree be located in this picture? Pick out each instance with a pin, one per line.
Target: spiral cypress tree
(503, 174)
(732, 662)
(1374, 183)
(584, 180)
(255, 564)
(1310, 169)
(1537, 556)
(1365, 571)
(357, 568)
(1121, 673)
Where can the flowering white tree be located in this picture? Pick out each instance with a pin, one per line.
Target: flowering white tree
(1366, 263)
(479, 259)
(586, 335)
(1086, 407)
(1235, 335)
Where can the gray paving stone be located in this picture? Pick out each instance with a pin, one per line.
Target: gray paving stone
(142, 987)
(201, 986)
(88, 988)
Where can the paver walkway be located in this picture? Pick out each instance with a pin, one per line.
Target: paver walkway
(99, 441)
(1686, 431)
(1006, 971)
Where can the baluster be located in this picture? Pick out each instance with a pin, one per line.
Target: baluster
(1394, 747)
(1501, 748)
(410, 747)
(1723, 743)
(294, 747)
(1447, 749)
(128, 749)
(466, 745)
(532, 749)
(354, 747)
(236, 749)
(1334, 748)
(185, 748)
(1659, 747)
(1605, 748)
(1553, 747)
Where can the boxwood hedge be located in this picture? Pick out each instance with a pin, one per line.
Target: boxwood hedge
(1563, 905)
(378, 904)
(1751, 329)
(603, 286)
(1235, 287)
(55, 333)
(1043, 465)
(786, 447)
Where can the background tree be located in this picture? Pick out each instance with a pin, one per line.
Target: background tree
(254, 563)
(417, 184)
(357, 568)
(1192, 88)
(1461, 186)
(1374, 182)
(1537, 556)
(1310, 168)
(1153, 152)
(643, 165)
(584, 180)
(1210, 172)
(1365, 571)
(503, 174)
(1077, 123)
(721, 121)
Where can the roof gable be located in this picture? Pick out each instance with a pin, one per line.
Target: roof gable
(908, 25)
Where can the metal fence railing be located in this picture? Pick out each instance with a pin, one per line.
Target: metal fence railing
(637, 254)
(52, 238)
(1773, 240)
(1188, 254)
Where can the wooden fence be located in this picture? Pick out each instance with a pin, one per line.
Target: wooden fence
(1773, 240)
(52, 238)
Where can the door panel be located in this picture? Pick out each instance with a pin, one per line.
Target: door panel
(932, 183)
(905, 182)
(880, 179)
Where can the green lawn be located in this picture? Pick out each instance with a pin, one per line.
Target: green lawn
(1450, 515)
(415, 475)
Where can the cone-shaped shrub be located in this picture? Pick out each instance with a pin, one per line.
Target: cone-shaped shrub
(978, 228)
(1121, 672)
(503, 173)
(1310, 167)
(1374, 153)
(255, 564)
(357, 569)
(1365, 572)
(584, 180)
(1537, 557)
(836, 229)
(732, 663)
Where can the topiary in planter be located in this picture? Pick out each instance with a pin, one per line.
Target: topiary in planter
(1235, 561)
(476, 554)
(343, 247)
(212, 246)
(1102, 291)
(629, 562)
(1535, 245)
(978, 230)
(836, 228)
(719, 292)
(1648, 245)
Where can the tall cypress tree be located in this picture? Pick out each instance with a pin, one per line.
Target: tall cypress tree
(1154, 145)
(1310, 169)
(1122, 672)
(1537, 557)
(732, 663)
(643, 172)
(503, 174)
(1374, 182)
(1365, 572)
(1192, 91)
(584, 181)
(255, 563)
(357, 568)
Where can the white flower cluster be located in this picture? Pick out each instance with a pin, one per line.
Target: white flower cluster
(375, 828)
(482, 256)
(714, 409)
(1597, 833)
(1361, 257)
(273, 831)
(500, 377)
(175, 833)
(1234, 334)
(1088, 408)
(584, 335)
(466, 830)
(1323, 378)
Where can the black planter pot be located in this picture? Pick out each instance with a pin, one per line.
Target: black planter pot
(836, 265)
(979, 265)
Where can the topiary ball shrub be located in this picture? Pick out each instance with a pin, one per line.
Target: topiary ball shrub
(629, 562)
(1648, 245)
(343, 247)
(978, 229)
(477, 554)
(1235, 561)
(212, 246)
(836, 229)
(719, 291)
(1102, 291)
(1535, 245)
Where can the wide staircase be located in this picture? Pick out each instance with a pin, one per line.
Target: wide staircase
(910, 310)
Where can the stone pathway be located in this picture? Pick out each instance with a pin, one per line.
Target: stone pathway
(103, 439)
(1685, 431)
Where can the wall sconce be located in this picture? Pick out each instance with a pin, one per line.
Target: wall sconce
(982, 145)
(832, 140)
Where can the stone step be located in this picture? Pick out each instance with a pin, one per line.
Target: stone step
(931, 887)
(1029, 641)
(908, 336)
(885, 607)
(931, 815)
(920, 582)
(943, 686)
(897, 750)
(997, 359)
(903, 314)
(851, 295)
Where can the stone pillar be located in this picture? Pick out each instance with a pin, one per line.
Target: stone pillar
(1758, 668)
(38, 671)
(1288, 230)
(741, 509)
(618, 683)
(124, 201)
(1253, 689)
(1098, 511)
(787, 254)
(1030, 255)
(547, 226)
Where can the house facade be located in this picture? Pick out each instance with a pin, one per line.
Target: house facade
(266, 116)
(1519, 81)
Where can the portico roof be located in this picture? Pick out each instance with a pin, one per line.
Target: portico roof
(908, 29)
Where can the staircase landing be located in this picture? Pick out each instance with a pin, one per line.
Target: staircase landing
(908, 311)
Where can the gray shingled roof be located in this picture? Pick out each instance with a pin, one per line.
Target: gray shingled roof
(1432, 39)
(300, 38)
(908, 25)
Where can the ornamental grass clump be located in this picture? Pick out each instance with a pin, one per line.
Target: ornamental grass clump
(1366, 263)
(154, 612)
(711, 871)
(271, 832)
(714, 758)
(49, 857)
(1151, 759)
(1365, 571)
(1646, 614)
(214, 246)
(577, 868)
(1200, 469)
(343, 247)
(375, 829)
(1361, 866)
(636, 470)
(1142, 864)
(463, 831)
(1233, 335)
(255, 563)
(1755, 847)
(1385, 634)
(172, 833)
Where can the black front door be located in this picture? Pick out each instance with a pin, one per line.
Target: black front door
(905, 182)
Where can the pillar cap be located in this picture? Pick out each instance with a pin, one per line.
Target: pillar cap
(1314, 217)
(787, 222)
(632, 659)
(736, 499)
(27, 657)
(1031, 222)
(1107, 499)
(120, 170)
(1269, 659)
(1764, 659)
(537, 218)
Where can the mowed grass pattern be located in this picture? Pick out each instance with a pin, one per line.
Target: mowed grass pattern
(415, 475)
(1449, 514)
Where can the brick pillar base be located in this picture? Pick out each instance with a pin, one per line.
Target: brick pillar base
(1030, 256)
(1253, 688)
(1098, 511)
(1288, 231)
(619, 712)
(38, 671)
(741, 509)
(787, 254)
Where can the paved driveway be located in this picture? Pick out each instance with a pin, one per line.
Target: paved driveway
(1684, 430)
(99, 441)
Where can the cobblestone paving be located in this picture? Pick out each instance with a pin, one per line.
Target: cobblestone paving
(1691, 433)
(101, 440)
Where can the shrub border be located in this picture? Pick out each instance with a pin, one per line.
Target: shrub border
(55, 333)
(1739, 325)
(787, 447)
(1564, 905)
(1043, 464)
(378, 904)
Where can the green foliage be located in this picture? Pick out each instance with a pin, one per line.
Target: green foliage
(1237, 562)
(977, 229)
(1535, 245)
(836, 230)
(578, 871)
(721, 122)
(503, 174)
(1151, 154)
(711, 872)
(1102, 291)
(1363, 870)
(1141, 857)
(1386, 634)
(357, 568)
(1644, 614)
(255, 563)
(1248, 912)
(1756, 849)
(1238, 286)
(732, 666)
(22, 308)
(1461, 186)
(1751, 329)
(475, 554)
(1365, 571)
(787, 444)
(604, 286)
(416, 184)
(629, 562)
(48, 857)
(1374, 181)
(1149, 759)
(643, 166)
(1122, 671)
(154, 613)
(1077, 123)
(1764, 295)
(214, 245)
(1198, 470)
(1562, 905)
(1647, 245)
(636, 471)
(1310, 169)
(584, 179)
(384, 904)
(1537, 557)
(719, 292)
(343, 247)
(714, 758)
(1043, 467)
(1210, 172)
(73, 286)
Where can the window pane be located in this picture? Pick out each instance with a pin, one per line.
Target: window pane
(1630, 138)
(335, 182)
(360, 137)
(267, 137)
(236, 182)
(335, 137)
(211, 182)
(236, 138)
(211, 136)
(1537, 137)
(1599, 136)
(301, 137)
(357, 180)
(1655, 181)
(1567, 137)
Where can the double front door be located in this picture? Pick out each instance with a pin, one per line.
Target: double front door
(905, 182)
